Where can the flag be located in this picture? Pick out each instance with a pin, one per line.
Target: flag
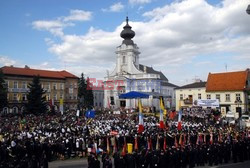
(162, 104)
(205, 141)
(90, 114)
(136, 144)
(108, 150)
(149, 144)
(141, 127)
(124, 147)
(165, 144)
(140, 106)
(180, 140)
(61, 106)
(179, 120)
(114, 147)
(161, 124)
(108, 103)
(211, 138)
(157, 143)
(176, 142)
(197, 139)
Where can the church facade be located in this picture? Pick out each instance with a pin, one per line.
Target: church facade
(130, 75)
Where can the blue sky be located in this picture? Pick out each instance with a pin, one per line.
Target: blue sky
(185, 39)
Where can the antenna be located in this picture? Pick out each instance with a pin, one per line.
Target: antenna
(226, 66)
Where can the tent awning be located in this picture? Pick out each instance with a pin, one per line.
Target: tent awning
(133, 95)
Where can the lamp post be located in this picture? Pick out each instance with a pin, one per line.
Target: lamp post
(248, 10)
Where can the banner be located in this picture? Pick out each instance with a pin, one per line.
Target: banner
(61, 106)
(207, 103)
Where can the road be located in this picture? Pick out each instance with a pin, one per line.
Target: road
(82, 163)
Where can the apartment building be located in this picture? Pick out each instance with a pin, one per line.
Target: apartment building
(59, 85)
(231, 89)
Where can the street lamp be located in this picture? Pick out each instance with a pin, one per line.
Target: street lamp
(248, 10)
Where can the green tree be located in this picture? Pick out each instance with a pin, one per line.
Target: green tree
(3, 92)
(89, 95)
(82, 86)
(36, 99)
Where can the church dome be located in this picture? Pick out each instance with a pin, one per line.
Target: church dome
(127, 34)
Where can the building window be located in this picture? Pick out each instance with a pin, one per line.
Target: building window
(61, 95)
(123, 59)
(208, 96)
(70, 96)
(112, 102)
(55, 96)
(14, 96)
(24, 85)
(199, 96)
(15, 110)
(24, 97)
(75, 85)
(61, 86)
(7, 84)
(238, 97)
(217, 97)
(181, 96)
(54, 86)
(70, 90)
(71, 85)
(15, 84)
(48, 97)
(227, 97)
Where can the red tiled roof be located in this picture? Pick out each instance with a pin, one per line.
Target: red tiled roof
(228, 81)
(32, 72)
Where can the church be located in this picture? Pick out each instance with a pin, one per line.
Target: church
(129, 75)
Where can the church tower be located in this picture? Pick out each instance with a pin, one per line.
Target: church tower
(127, 61)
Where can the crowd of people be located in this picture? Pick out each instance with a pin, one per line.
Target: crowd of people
(33, 141)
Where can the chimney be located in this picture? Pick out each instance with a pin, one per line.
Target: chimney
(26, 66)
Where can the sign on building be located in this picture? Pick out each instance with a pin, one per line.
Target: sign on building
(207, 103)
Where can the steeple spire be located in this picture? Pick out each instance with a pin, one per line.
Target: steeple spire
(127, 34)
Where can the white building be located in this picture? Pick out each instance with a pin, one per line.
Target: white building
(187, 94)
(129, 75)
(232, 89)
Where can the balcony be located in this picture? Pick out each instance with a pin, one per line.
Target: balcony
(188, 101)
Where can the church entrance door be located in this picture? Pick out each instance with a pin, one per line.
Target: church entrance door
(122, 103)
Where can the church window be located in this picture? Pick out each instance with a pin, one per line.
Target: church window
(123, 60)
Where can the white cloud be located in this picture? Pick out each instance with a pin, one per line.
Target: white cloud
(6, 61)
(172, 38)
(136, 2)
(78, 15)
(117, 7)
(56, 26)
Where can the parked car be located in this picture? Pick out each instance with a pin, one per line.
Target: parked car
(230, 118)
(246, 120)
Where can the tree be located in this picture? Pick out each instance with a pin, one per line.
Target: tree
(89, 95)
(3, 92)
(82, 86)
(36, 99)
